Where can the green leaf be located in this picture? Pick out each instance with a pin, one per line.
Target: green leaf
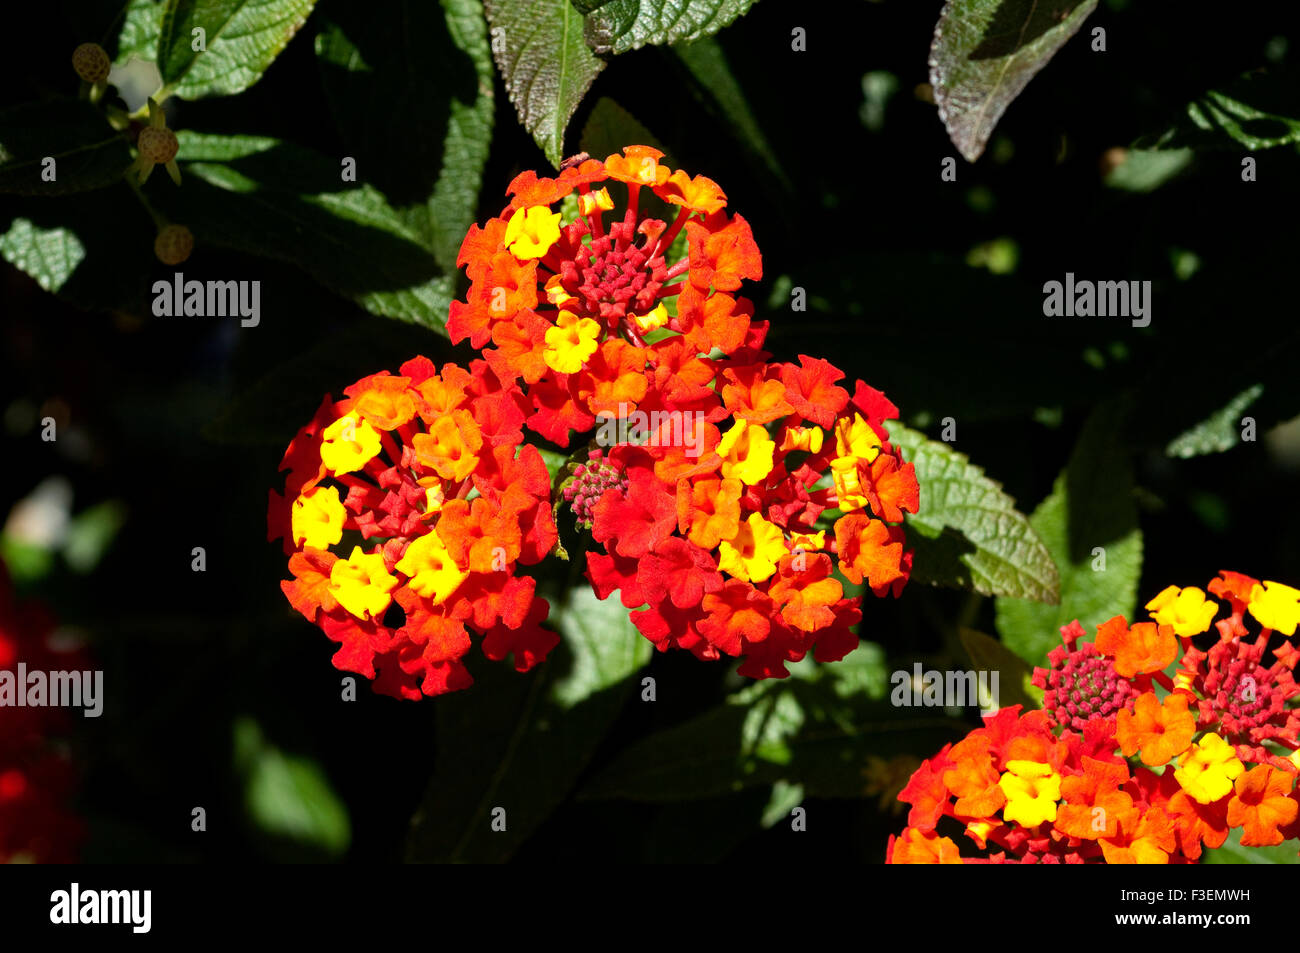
(1287, 852)
(1091, 506)
(622, 25)
(138, 37)
(1219, 432)
(344, 235)
(87, 153)
(816, 729)
(1015, 678)
(546, 66)
(430, 164)
(1256, 110)
(785, 797)
(984, 54)
(92, 248)
(240, 40)
(288, 797)
(1144, 170)
(48, 255)
(706, 62)
(518, 742)
(91, 533)
(968, 533)
(1212, 417)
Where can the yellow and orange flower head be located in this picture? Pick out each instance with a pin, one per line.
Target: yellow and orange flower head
(387, 555)
(1126, 764)
(547, 294)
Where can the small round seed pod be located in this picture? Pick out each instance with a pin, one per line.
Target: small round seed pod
(91, 62)
(173, 244)
(157, 144)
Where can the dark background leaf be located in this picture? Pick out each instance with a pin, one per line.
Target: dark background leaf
(985, 52)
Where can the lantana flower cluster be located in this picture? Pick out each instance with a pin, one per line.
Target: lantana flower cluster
(721, 490)
(1131, 759)
(37, 778)
(407, 508)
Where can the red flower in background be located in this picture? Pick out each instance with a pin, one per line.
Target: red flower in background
(37, 780)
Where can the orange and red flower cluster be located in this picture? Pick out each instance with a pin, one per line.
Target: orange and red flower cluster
(709, 516)
(37, 779)
(723, 513)
(722, 545)
(1127, 763)
(407, 508)
(569, 306)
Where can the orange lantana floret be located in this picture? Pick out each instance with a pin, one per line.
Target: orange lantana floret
(1142, 649)
(1260, 804)
(1159, 731)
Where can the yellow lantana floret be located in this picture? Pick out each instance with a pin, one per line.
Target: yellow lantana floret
(1276, 606)
(598, 200)
(855, 438)
(1183, 610)
(1208, 768)
(570, 343)
(848, 488)
(317, 518)
(746, 452)
(349, 444)
(433, 573)
(362, 584)
(809, 542)
(652, 321)
(807, 439)
(1032, 790)
(531, 232)
(753, 553)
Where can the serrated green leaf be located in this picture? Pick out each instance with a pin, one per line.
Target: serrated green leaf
(240, 40)
(430, 164)
(344, 235)
(968, 532)
(87, 153)
(1091, 507)
(619, 26)
(811, 730)
(93, 249)
(519, 742)
(50, 255)
(546, 66)
(984, 54)
(138, 37)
